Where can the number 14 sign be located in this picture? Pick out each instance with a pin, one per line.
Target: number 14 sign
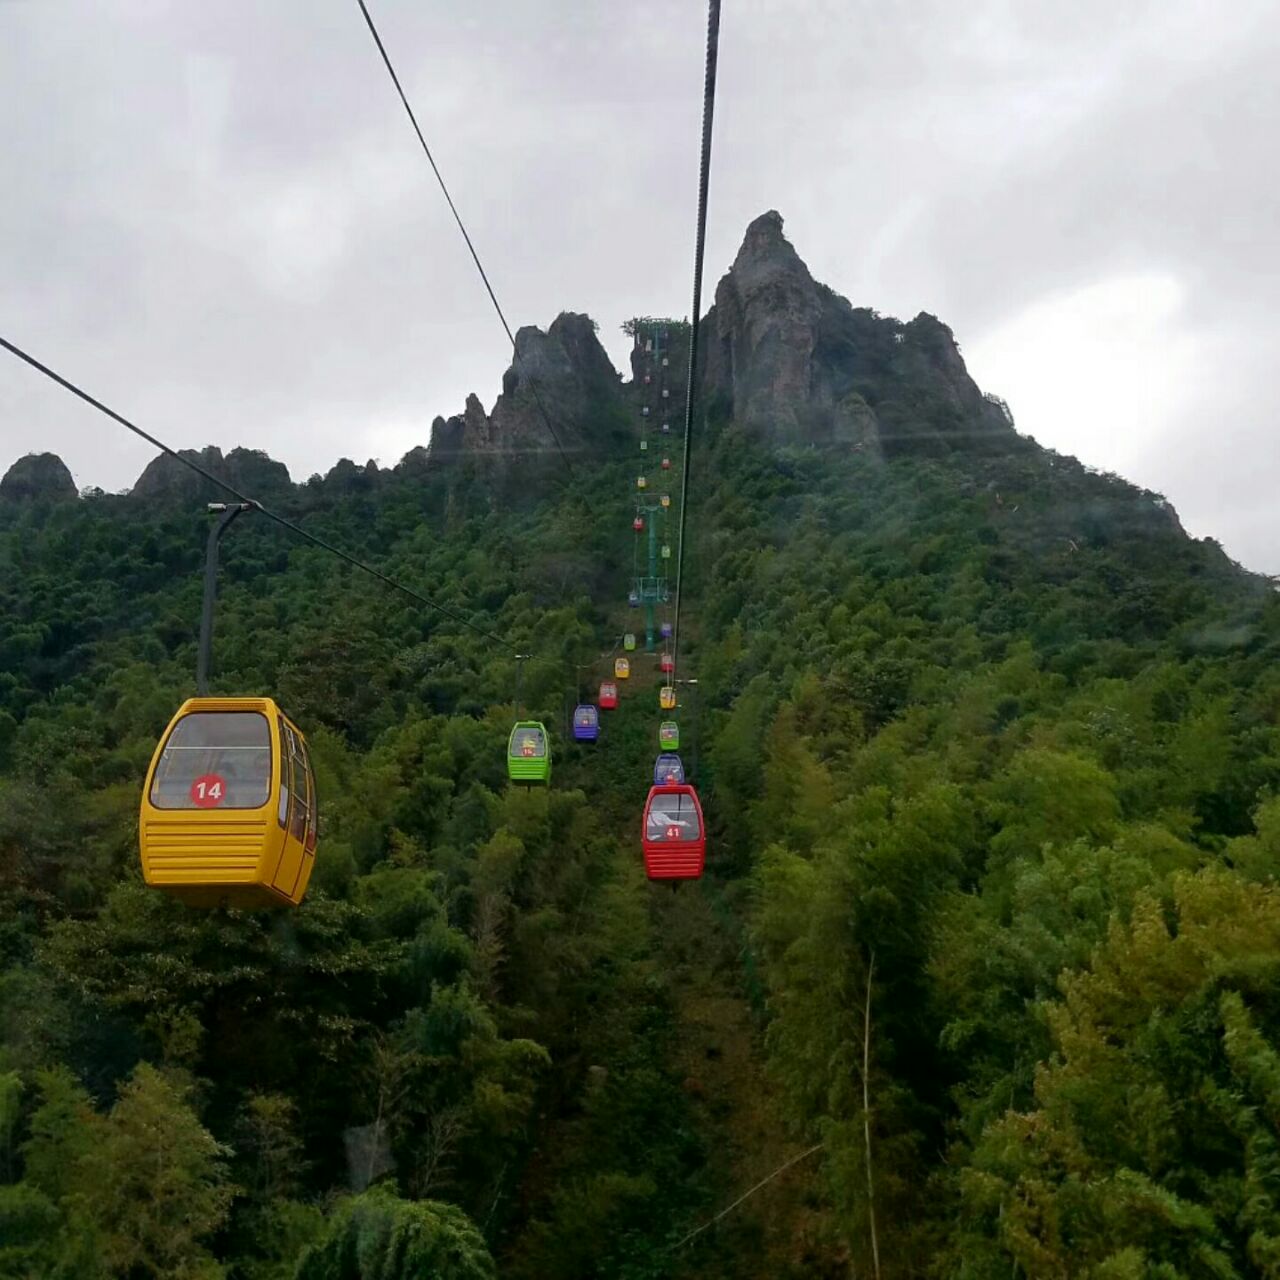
(208, 791)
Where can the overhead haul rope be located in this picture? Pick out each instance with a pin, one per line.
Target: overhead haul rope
(704, 177)
(240, 497)
(746, 1195)
(457, 217)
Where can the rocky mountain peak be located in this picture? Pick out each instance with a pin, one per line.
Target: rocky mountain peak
(38, 476)
(796, 363)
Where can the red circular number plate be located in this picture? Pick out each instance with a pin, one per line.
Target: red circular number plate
(208, 791)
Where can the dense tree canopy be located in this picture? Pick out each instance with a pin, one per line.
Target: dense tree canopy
(989, 754)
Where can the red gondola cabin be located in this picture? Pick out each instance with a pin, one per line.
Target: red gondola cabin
(674, 835)
(608, 696)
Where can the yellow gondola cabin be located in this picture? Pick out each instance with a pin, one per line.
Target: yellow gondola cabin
(229, 809)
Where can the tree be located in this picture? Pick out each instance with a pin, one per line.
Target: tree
(378, 1236)
(1153, 1148)
(142, 1187)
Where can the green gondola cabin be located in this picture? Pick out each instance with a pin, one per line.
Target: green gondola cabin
(529, 753)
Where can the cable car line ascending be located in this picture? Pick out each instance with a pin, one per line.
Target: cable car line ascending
(673, 830)
(241, 497)
(700, 244)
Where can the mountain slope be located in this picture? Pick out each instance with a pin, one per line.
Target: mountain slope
(988, 747)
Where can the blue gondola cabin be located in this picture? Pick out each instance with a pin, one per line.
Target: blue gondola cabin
(586, 722)
(668, 768)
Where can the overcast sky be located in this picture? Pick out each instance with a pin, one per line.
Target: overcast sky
(215, 216)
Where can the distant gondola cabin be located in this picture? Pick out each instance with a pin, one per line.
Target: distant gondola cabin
(666, 630)
(666, 428)
(673, 834)
(229, 807)
(586, 722)
(666, 663)
(641, 482)
(667, 698)
(638, 523)
(529, 753)
(622, 668)
(608, 695)
(665, 499)
(666, 552)
(644, 446)
(633, 599)
(666, 464)
(669, 735)
(668, 768)
(629, 641)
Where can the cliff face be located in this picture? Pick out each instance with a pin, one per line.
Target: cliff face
(796, 363)
(38, 476)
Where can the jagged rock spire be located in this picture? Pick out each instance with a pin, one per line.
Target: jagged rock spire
(798, 364)
(576, 383)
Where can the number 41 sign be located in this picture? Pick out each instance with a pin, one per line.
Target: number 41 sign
(208, 791)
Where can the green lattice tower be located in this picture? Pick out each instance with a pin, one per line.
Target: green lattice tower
(651, 588)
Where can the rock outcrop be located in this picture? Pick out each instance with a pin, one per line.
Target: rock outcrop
(38, 476)
(249, 470)
(414, 463)
(793, 361)
(564, 372)
(346, 476)
(784, 356)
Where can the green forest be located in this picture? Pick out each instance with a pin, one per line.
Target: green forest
(989, 936)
